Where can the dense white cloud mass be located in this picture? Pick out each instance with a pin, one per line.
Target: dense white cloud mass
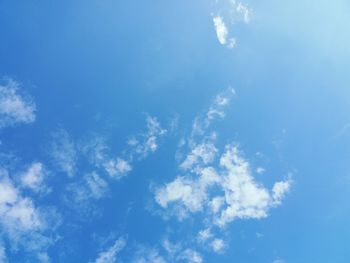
(242, 197)
(21, 221)
(110, 255)
(63, 151)
(16, 212)
(15, 108)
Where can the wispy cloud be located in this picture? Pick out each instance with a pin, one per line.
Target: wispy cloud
(167, 252)
(15, 108)
(229, 14)
(63, 151)
(243, 11)
(117, 168)
(111, 253)
(34, 177)
(218, 245)
(148, 256)
(2, 254)
(145, 143)
(91, 186)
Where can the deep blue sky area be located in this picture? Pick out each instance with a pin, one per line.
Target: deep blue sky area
(213, 131)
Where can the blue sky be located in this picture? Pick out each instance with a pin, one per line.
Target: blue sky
(186, 131)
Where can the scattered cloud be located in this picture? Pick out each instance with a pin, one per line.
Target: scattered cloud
(117, 168)
(111, 253)
(146, 143)
(63, 151)
(217, 184)
(167, 252)
(95, 185)
(15, 108)
(79, 195)
(204, 235)
(190, 256)
(34, 178)
(218, 245)
(148, 256)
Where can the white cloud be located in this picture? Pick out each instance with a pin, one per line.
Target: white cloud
(191, 256)
(16, 211)
(218, 185)
(149, 256)
(216, 111)
(222, 32)
(168, 252)
(218, 245)
(204, 235)
(43, 257)
(260, 170)
(244, 12)
(279, 190)
(34, 177)
(21, 221)
(216, 203)
(117, 168)
(15, 108)
(2, 254)
(91, 186)
(243, 198)
(191, 194)
(63, 152)
(98, 154)
(203, 153)
(96, 185)
(110, 255)
(226, 15)
(147, 142)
